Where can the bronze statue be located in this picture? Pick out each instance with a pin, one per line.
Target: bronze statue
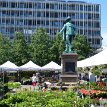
(69, 32)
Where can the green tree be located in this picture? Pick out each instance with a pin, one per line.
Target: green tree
(20, 49)
(5, 49)
(40, 45)
(57, 48)
(81, 46)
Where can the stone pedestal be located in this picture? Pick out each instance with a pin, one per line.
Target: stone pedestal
(69, 67)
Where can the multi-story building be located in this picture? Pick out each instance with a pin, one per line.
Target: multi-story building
(27, 15)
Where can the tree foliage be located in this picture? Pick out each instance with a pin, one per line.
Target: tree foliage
(40, 45)
(57, 48)
(81, 46)
(20, 49)
(5, 49)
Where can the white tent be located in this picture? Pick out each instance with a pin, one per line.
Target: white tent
(98, 59)
(52, 66)
(8, 66)
(30, 66)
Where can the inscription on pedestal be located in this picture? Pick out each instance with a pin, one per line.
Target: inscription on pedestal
(69, 67)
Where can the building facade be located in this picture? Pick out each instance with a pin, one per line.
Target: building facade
(27, 15)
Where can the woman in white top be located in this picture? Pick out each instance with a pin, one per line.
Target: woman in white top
(34, 80)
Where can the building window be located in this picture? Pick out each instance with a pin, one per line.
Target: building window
(64, 14)
(73, 15)
(30, 5)
(81, 24)
(38, 14)
(89, 32)
(47, 5)
(81, 15)
(47, 14)
(81, 31)
(21, 13)
(51, 6)
(56, 15)
(39, 5)
(97, 8)
(12, 5)
(4, 4)
(12, 13)
(29, 22)
(89, 24)
(89, 8)
(47, 22)
(21, 5)
(64, 7)
(73, 7)
(98, 41)
(4, 13)
(89, 16)
(96, 24)
(81, 7)
(85, 16)
(38, 22)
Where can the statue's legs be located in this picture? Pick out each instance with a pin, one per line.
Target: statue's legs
(68, 44)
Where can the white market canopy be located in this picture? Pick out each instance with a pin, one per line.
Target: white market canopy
(98, 59)
(52, 66)
(30, 66)
(8, 66)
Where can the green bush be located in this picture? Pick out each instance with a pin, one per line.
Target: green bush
(44, 99)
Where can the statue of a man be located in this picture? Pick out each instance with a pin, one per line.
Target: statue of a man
(69, 32)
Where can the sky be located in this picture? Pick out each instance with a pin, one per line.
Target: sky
(103, 18)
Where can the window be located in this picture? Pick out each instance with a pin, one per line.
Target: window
(4, 4)
(81, 24)
(81, 15)
(97, 24)
(85, 16)
(38, 22)
(4, 13)
(64, 14)
(21, 5)
(38, 14)
(89, 8)
(39, 5)
(98, 41)
(12, 13)
(30, 5)
(89, 16)
(81, 31)
(47, 6)
(89, 32)
(73, 15)
(12, 5)
(51, 6)
(73, 7)
(21, 13)
(47, 22)
(29, 22)
(56, 15)
(89, 24)
(97, 8)
(47, 14)
(64, 7)
(81, 7)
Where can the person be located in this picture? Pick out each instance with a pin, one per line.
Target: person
(34, 80)
(69, 32)
(44, 87)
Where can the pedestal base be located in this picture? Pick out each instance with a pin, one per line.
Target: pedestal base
(68, 78)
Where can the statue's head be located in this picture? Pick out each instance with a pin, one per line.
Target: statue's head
(68, 19)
